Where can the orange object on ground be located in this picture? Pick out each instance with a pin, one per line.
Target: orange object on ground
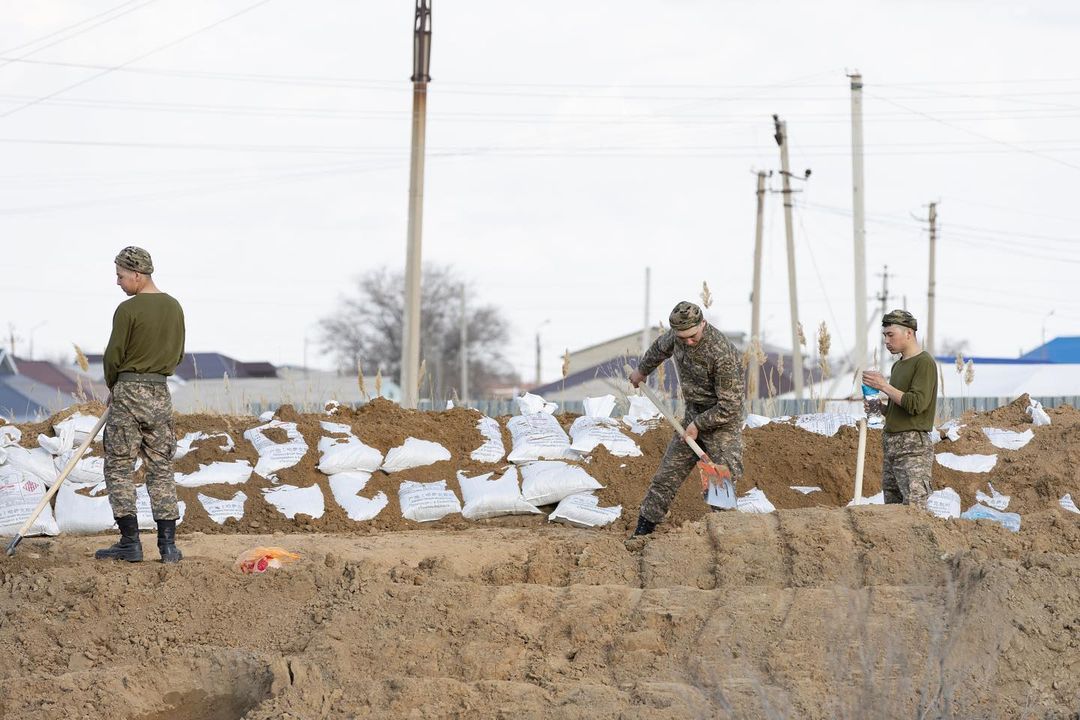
(260, 559)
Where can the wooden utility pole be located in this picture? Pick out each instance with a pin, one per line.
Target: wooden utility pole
(410, 341)
(646, 334)
(793, 293)
(931, 292)
(883, 298)
(755, 294)
(464, 349)
(859, 354)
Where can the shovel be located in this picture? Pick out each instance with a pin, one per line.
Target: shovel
(56, 485)
(712, 475)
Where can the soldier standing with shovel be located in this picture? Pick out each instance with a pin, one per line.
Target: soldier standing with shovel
(710, 374)
(146, 345)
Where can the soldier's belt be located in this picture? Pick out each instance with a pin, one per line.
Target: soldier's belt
(141, 377)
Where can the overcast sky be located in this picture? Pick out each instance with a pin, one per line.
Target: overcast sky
(259, 150)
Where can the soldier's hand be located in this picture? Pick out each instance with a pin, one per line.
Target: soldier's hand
(874, 379)
(636, 378)
(691, 432)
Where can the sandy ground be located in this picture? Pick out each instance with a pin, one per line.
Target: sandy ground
(805, 613)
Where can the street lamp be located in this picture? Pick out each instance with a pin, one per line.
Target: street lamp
(1044, 353)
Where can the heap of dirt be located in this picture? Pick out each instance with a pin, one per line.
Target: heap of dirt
(812, 613)
(777, 456)
(30, 431)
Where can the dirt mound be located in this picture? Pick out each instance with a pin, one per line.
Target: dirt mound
(777, 456)
(810, 613)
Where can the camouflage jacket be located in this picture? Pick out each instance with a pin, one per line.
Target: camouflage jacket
(710, 374)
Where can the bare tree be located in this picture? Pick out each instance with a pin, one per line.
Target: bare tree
(368, 327)
(953, 346)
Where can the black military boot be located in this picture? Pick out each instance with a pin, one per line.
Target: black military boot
(130, 547)
(644, 527)
(166, 541)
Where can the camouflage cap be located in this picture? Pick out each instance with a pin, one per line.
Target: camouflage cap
(900, 317)
(137, 259)
(685, 316)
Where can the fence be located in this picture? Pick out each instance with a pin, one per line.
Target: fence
(947, 407)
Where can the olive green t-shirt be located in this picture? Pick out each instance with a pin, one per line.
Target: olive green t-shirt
(917, 378)
(147, 336)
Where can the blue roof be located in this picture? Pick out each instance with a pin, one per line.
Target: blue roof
(1058, 350)
(991, 360)
(15, 405)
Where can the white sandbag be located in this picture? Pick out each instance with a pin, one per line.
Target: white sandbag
(413, 454)
(538, 436)
(1038, 415)
(9, 435)
(583, 510)
(346, 485)
(221, 510)
(878, 499)
(36, 461)
(548, 481)
(266, 416)
(64, 440)
(967, 463)
(597, 427)
(951, 430)
(331, 407)
(1066, 503)
(145, 511)
(183, 445)
(87, 471)
(487, 498)
(79, 513)
(427, 502)
(805, 489)
(1008, 439)
(20, 494)
(722, 496)
(81, 425)
(643, 415)
(529, 404)
(291, 500)
(493, 450)
(756, 421)
(1010, 521)
(944, 503)
(827, 424)
(347, 454)
(754, 501)
(995, 499)
(220, 472)
(276, 456)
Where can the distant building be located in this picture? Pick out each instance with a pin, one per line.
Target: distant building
(34, 389)
(599, 369)
(1059, 350)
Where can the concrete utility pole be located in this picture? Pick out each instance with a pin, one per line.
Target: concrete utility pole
(793, 294)
(464, 349)
(646, 334)
(883, 297)
(410, 345)
(859, 213)
(931, 292)
(755, 294)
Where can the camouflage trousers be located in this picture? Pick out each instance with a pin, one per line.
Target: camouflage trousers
(723, 446)
(905, 471)
(140, 423)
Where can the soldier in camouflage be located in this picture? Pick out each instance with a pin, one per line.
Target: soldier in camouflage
(710, 375)
(912, 391)
(146, 345)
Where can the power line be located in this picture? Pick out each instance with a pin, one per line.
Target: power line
(135, 59)
(21, 58)
(1018, 148)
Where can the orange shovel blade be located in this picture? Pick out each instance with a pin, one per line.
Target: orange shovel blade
(711, 473)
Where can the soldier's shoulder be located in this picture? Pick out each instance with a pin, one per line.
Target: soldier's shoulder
(718, 340)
